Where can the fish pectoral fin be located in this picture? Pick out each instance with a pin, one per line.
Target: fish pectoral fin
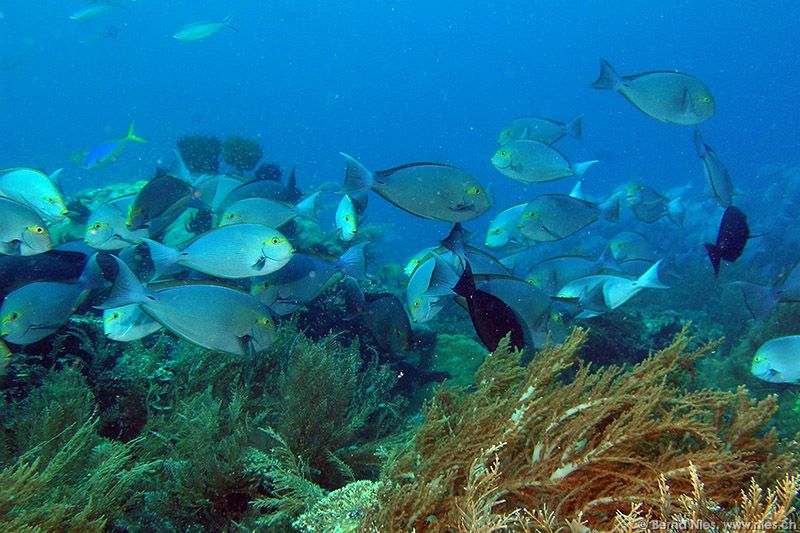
(547, 230)
(461, 207)
(258, 265)
(687, 104)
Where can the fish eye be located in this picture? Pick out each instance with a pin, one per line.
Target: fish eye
(275, 240)
(347, 218)
(264, 321)
(416, 304)
(13, 315)
(504, 153)
(36, 229)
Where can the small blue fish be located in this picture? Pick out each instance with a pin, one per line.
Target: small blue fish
(107, 152)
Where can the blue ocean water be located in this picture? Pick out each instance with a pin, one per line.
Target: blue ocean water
(393, 82)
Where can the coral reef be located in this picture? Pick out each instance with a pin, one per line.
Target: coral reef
(200, 153)
(242, 154)
(269, 171)
(586, 449)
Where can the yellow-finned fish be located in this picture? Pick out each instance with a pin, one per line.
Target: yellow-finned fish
(346, 220)
(197, 31)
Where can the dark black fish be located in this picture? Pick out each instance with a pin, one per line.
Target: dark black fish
(160, 202)
(53, 265)
(731, 239)
(386, 318)
(492, 318)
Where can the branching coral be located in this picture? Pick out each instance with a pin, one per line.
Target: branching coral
(588, 447)
(240, 153)
(200, 153)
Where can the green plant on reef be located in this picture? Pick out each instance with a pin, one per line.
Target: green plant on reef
(529, 443)
(200, 152)
(242, 154)
(59, 474)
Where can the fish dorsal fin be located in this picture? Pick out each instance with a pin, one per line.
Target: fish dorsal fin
(388, 172)
(55, 178)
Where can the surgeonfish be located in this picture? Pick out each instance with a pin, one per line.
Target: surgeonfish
(128, 323)
(198, 31)
(238, 251)
(265, 188)
(665, 95)
(552, 217)
(209, 315)
(346, 219)
(599, 293)
(22, 231)
(52, 265)
(36, 310)
(631, 246)
(268, 212)
(417, 259)
(778, 360)
(106, 228)
(760, 300)
(92, 11)
(731, 238)
(534, 162)
(36, 190)
(504, 228)
(717, 175)
(305, 277)
(648, 205)
(385, 317)
(109, 151)
(542, 129)
(428, 190)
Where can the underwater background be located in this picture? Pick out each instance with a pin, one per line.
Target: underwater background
(332, 427)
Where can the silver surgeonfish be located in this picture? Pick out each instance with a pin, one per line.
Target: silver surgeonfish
(106, 228)
(38, 309)
(197, 31)
(542, 129)
(428, 190)
(22, 231)
(34, 189)
(665, 95)
(504, 228)
(631, 246)
(552, 217)
(534, 162)
(717, 175)
(600, 293)
(128, 323)
(212, 316)
(778, 360)
(237, 251)
(268, 212)
(346, 219)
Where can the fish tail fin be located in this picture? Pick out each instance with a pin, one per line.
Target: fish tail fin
(676, 211)
(179, 168)
(228, 21)
(127, 288)
(579, 169)
(55, 178)
(608, 79)
(577, 190)
(699, 145)
(609, 208)
(574, 128)
(466, 283)
(163, 257)
(132, 136)
(307, 207)
(650, 280)
(714, 257)
(92, 275)
(353, 262)
(357, 182)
